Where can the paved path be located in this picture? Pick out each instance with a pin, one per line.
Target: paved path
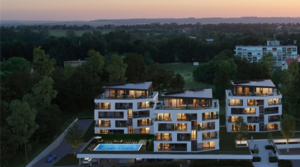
(263, 153)
(64, 148)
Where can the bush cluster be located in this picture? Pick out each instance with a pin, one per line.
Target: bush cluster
(256, 159)
(273, 159)
(285, 163)
(270, 147)
(231, 163)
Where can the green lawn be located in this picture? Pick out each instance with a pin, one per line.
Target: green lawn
(67, 160)
(227, 142)
(186, 70)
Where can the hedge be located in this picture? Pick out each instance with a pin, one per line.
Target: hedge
(270, 147)
(223, 163)
(273, 159)
(285, 163)
(256, 159)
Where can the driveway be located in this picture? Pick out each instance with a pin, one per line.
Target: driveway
(64, 148)
(263, 153)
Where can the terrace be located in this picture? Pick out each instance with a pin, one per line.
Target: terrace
(188, 104)
(132, 95)
(110, 115)
(141, 114)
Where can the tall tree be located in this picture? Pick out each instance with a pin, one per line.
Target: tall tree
(22, 122)
(40, 100)
(160, 77)
(288, 127)
(241, 129)
(290, 89)
(42, 65)
(137, 68)
(73, 136)
(13, 64)
(116, 69)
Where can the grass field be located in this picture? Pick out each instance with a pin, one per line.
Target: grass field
(186, 70)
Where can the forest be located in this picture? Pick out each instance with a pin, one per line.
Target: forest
(39, 96)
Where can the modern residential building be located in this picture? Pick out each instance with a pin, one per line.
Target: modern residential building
(183, 121)
(255, 53)
(258, 102)
(186, 121)
(125, 108)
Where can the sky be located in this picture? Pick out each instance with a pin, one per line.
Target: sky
(69, 10)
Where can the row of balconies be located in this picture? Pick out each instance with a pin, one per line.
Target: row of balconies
(124, 106)
(185, 137)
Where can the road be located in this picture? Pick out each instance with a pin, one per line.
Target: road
(64, 148)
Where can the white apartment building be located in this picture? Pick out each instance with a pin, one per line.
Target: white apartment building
(125, 108)
(255, 53)
(258, 102)
(186, 121)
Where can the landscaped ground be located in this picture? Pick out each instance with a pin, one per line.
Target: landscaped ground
(67, 160)
(186, 70)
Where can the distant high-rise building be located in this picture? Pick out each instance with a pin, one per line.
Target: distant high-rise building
(255, 53)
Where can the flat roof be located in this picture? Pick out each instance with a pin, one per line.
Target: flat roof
(262, 83)
(135, 86)
(205, 93)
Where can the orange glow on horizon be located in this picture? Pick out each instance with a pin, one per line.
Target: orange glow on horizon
(120, 9)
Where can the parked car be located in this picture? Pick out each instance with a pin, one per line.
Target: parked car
(95, 160)
(51, 158)
(86, 161)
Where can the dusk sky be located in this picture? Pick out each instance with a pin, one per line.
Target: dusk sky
(61, 10)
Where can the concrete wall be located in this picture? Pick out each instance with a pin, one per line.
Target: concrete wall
(51, 147)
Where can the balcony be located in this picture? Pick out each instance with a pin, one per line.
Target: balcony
(163, 119)
(235, 102)
(142, 105)
(102, 106)
(210, 117)
(102, 125)
(209, 138)
(121, 124)
(127, 97)
(110, 115)
(242, 111)
(229, 93)
(145, 123)
(274, 119)
(163, 139)
(172, 147)
(141, 114)
(271, 110)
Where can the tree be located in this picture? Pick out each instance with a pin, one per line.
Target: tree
(116, 69)
(288, 127)
(241, 129)
(42, 65)
(14, 64)
(22, 122)
(160, 77)
(137, 68)
(177, 82)
(73, 136)
(48, 115)
(290, 89)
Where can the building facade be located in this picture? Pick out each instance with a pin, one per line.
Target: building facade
(187, 121)
(183, 121)
(125, 109)
(255, 53)
(258, 102)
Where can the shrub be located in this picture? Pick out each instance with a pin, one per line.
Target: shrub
(270, 147)
(285, 163)
(256, 159)
(273, 159)
(255, 149)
